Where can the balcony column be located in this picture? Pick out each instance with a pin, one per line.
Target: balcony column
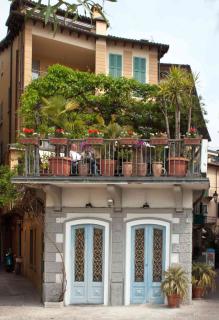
(27, 53)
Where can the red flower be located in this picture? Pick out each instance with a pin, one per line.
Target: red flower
(59, 130)
(27, 130)
(192, 130)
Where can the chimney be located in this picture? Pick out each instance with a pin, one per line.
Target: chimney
(101, 24)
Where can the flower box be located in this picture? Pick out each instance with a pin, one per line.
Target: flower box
(29, 140)
(58, 141)
(159, 141)
(128, 141)
(94, 140)
(192, 141)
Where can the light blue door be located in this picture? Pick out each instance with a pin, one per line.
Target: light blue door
(87, 264)
(148, 260)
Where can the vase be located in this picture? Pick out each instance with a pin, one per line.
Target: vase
(83, 169)
(157, 168)
(197, 292)
(127, 169)
(94, 140)
(159, 141)
(178, 166)
(173, 301)
(29, 140)
(128, 141)
(141, 169)
(60, 166)
(58, 141)
(192, 141)
(108, 167)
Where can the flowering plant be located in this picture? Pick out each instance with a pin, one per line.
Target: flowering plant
(192, 133)
(95, 133)
(57, 132)
(28, 132)
(158, 135)
(128, 133)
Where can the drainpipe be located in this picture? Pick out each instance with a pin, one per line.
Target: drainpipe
(10, 96)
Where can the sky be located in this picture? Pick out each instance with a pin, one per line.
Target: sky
(190, 27)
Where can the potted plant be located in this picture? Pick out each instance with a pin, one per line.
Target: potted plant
(28, 136)
(125, 156)
(157, 164)
(175, 285)
(94, 137)
(108, 162)
(128, 137)
(177, 93)
(139, 165)
(57, 136)
(159, 139)
(203, 279)
(192, 137)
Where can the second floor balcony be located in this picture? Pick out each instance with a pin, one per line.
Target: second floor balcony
(98, 159)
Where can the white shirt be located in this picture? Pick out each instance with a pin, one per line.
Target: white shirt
(75, 156)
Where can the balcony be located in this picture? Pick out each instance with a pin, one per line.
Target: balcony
(200, 219)
(98, 159)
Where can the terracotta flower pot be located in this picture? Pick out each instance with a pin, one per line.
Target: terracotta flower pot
(83, 169)
(178, 166)
(173, 301)
(159, 141)
(197, 292)
(55, 140)
(29, 140)
(141, 169)
(128, 141)
(157, 168)
(192, 141)
(108, 167)
(60, 166)
(94, 140)
(127, 169)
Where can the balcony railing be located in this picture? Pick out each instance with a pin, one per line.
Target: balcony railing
(108, 157)
(200, 219)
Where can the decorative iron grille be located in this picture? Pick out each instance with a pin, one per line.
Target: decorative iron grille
(79, 254)
(157, 255)
(139, 255)
(97, 255)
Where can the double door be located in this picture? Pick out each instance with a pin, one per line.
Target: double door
(87, 276)
(147, 265)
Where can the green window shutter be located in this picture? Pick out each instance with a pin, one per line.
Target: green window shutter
(115, 65)
(139, 69)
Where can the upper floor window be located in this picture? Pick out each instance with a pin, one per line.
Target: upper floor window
(139, 69)
(35, 69)
(115, 65)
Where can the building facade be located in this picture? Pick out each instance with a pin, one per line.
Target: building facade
(106, 240)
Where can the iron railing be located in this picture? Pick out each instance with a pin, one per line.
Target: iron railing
(109, 157)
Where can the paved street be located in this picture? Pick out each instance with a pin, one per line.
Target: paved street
(18, 300)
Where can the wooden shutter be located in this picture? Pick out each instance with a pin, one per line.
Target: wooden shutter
(115, 65)
(139, 69)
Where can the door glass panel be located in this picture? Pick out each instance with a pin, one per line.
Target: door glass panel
(139, 255)
(79, 254)
(157, 255)
(97, 255)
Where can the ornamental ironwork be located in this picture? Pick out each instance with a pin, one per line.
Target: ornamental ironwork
(97, 255)
(157, 255)
(79, 254)
(139, 255)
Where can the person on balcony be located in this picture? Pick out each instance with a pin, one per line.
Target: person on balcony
(75, 158)
(88, 155)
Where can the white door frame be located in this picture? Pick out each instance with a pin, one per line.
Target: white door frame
(68, 254)
(129, 226)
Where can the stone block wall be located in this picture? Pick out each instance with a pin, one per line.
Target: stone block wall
(181, 244)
